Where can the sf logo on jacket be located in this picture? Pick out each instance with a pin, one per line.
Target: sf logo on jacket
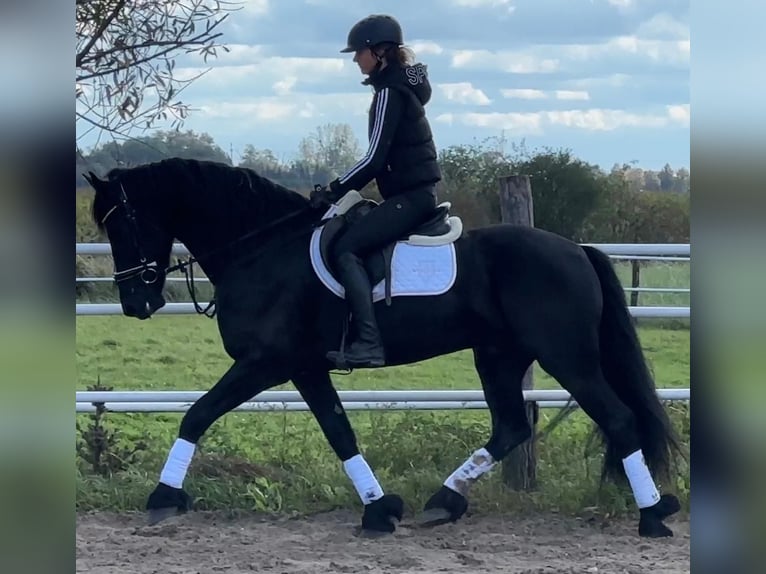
(416, 74)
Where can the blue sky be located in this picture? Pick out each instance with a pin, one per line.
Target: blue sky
(608, 79)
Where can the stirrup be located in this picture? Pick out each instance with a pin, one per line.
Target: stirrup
(341, 361)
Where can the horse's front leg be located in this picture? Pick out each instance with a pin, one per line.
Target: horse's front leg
(381, 511)
(244, 379)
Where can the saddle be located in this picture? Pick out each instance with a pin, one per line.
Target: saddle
(440, 229)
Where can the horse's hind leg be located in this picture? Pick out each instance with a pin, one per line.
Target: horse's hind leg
(575, 364)
(380, 510)
(501, 373)
(243, 380)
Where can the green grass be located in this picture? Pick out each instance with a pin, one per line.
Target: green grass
(281, 461)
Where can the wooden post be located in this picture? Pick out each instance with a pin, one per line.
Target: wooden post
(516, 207)
(635, 281)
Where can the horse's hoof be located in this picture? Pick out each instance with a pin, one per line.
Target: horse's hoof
(381, 516)
(373, 534)
(157, 515)
(650, 524)
(434, 517)
(444, 506)
(166, 501)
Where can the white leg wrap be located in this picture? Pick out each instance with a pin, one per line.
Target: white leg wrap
(363, 478)
(177, 464)
(644, 490)
(479, 463)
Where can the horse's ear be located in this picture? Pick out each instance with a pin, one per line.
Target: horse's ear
(92, 179)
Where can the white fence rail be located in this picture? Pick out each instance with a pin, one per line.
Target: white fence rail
(206, 280)
(188, 308)
(621, 249)
(181, 401)
(656, 251)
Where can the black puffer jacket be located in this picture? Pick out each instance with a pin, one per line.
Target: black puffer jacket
(401, 154)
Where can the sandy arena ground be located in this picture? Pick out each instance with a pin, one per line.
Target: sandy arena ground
(204, 542)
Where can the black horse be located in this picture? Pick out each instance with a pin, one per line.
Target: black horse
(512, 294)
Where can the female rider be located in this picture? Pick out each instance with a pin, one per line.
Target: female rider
(401, 158)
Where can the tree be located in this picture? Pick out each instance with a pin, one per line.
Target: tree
(651, 181)
(125, 58)
(681, 184)
(160, 145)
(667, 178)
(628, 216)
(260, 160)
(565, 191)
(265, 163)
(331, 149)
(470, 180)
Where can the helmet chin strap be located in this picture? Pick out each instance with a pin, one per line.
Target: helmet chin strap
(376, 69)
(378, 60)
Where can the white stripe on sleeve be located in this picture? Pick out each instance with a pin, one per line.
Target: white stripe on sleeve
(380, 112)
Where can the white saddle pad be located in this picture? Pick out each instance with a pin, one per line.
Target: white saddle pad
(416, 270)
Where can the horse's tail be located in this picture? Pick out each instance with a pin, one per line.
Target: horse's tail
(625, 369)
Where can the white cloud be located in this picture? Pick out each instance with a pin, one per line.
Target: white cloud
(425, 47)
(273, 69)
(572, 95)
(589, 120)
(611, 119)
(610, 81)
(445, 119)
(283, 87)
(304, 68)
(550, 58)
(680, 114)
(603, 120)
(672, 51)
(527, 64)
(464, 93)
(285, 108)
(663, 25)
(528, 94)
(261, 109)
(308, 110)
(523, 94)
(485, 3)
(515, 62)
(621, 3)
(528, 123)
(255, 7)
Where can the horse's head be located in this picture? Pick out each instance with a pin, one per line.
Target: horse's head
(140, 246)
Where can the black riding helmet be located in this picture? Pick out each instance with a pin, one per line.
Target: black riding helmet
(373, 30)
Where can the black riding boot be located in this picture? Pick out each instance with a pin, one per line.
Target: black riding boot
(367, 349)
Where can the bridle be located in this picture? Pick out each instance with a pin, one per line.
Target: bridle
(147, 271)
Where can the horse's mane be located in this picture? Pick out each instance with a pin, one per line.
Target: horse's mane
(239, 191)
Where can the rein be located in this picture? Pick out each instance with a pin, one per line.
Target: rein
(187, 266)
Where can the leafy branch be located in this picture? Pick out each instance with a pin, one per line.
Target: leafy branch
(125, 58)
